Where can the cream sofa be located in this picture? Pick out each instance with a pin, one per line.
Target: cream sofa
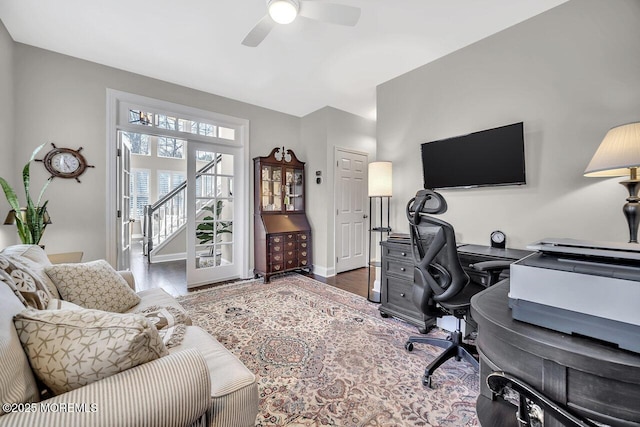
(200, 383)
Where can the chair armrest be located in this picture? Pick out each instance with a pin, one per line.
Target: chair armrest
(65, 257)
(174, 390)
(491, 265)
(494, 268)
(128, 276)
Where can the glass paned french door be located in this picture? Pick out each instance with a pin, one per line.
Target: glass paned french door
(212, 250)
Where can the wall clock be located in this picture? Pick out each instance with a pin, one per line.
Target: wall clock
(65, 162)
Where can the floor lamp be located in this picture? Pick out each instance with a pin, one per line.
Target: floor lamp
(380, 188)
(619, 155)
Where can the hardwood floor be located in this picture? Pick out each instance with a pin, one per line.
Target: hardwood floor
(171, 276)
(354, 281)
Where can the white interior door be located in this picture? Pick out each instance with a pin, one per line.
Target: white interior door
(214, 213)
(350, 202)
(124, 210)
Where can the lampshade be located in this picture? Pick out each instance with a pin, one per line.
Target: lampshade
(283, 11)
(11, 217)
(380, 182)
(618, 151)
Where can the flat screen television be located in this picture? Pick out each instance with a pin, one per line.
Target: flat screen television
(487, 158)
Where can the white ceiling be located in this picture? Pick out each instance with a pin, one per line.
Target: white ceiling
(298, 69)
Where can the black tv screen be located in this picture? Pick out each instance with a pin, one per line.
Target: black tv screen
(486, 158)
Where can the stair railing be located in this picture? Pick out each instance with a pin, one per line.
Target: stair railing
(167, 216)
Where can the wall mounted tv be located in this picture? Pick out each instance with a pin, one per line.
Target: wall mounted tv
(486, 158)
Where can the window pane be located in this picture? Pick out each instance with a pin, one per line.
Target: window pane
(177, 178)
(164, 179)
(140, 117)
(138, 142)
(226, 133)
(187, 126)
(139, 192)
(168, 181)
(165, 122)
(204, 156)
(171, 147)
(206, 129)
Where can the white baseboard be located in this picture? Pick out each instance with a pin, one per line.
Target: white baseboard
(168, 257)
(324, 271)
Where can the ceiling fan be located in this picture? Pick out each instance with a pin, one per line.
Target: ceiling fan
(286, 11)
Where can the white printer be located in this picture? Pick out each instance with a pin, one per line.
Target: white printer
(580, 287)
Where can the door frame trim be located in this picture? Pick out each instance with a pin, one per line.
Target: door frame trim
(336, 149)
(113, 99)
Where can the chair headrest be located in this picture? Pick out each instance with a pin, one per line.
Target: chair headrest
(426, 202)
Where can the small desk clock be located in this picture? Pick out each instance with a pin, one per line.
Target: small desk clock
(498, 239)
(65, 162)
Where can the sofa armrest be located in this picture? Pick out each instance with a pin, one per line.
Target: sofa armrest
(128, 276)
(174, 390)
(65, 257)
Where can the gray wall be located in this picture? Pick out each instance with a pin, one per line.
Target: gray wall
(570, 74)
(322, 132)
(8, 234)
(62, 99)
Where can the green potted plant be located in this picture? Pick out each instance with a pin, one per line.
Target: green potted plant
(32, 219)
(207, 231)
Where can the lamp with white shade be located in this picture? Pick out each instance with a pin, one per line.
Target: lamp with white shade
(380, 187)
(619, 155)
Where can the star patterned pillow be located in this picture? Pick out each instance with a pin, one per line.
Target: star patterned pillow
(68, 349)
(27, 286)
(93, 285)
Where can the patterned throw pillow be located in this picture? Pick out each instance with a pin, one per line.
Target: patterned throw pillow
(94, 285)
(169, 321)
(68, 349)
(32, 290)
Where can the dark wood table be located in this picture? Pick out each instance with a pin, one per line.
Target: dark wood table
(591, 378)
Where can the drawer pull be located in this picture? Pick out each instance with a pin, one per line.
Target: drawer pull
(403, 269)
(402, 295)
(404, 254)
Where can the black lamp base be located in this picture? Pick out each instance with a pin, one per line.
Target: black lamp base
(631, 209)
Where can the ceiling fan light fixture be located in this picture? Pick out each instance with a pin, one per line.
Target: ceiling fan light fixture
(283, 11)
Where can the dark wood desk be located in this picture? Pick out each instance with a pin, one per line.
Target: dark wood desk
(593, 379)
(397, 276)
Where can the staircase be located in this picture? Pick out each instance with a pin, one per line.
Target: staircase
(166, 217)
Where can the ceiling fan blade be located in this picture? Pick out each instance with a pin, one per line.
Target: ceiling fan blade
(259, 32)
(330, 12)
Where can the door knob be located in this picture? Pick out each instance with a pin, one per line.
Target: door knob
(365, 216)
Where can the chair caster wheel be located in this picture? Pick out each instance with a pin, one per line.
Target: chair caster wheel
(408, 346)
(383, 315)
(426, 381)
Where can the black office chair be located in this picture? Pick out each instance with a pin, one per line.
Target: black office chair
(441, 286)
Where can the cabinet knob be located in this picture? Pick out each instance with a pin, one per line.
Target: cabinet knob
(403, 269)
(402, 295)
(404, 254)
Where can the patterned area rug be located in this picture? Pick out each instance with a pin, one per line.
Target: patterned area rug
(325, 357)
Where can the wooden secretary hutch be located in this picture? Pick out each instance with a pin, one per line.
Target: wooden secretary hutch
(281, 229)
